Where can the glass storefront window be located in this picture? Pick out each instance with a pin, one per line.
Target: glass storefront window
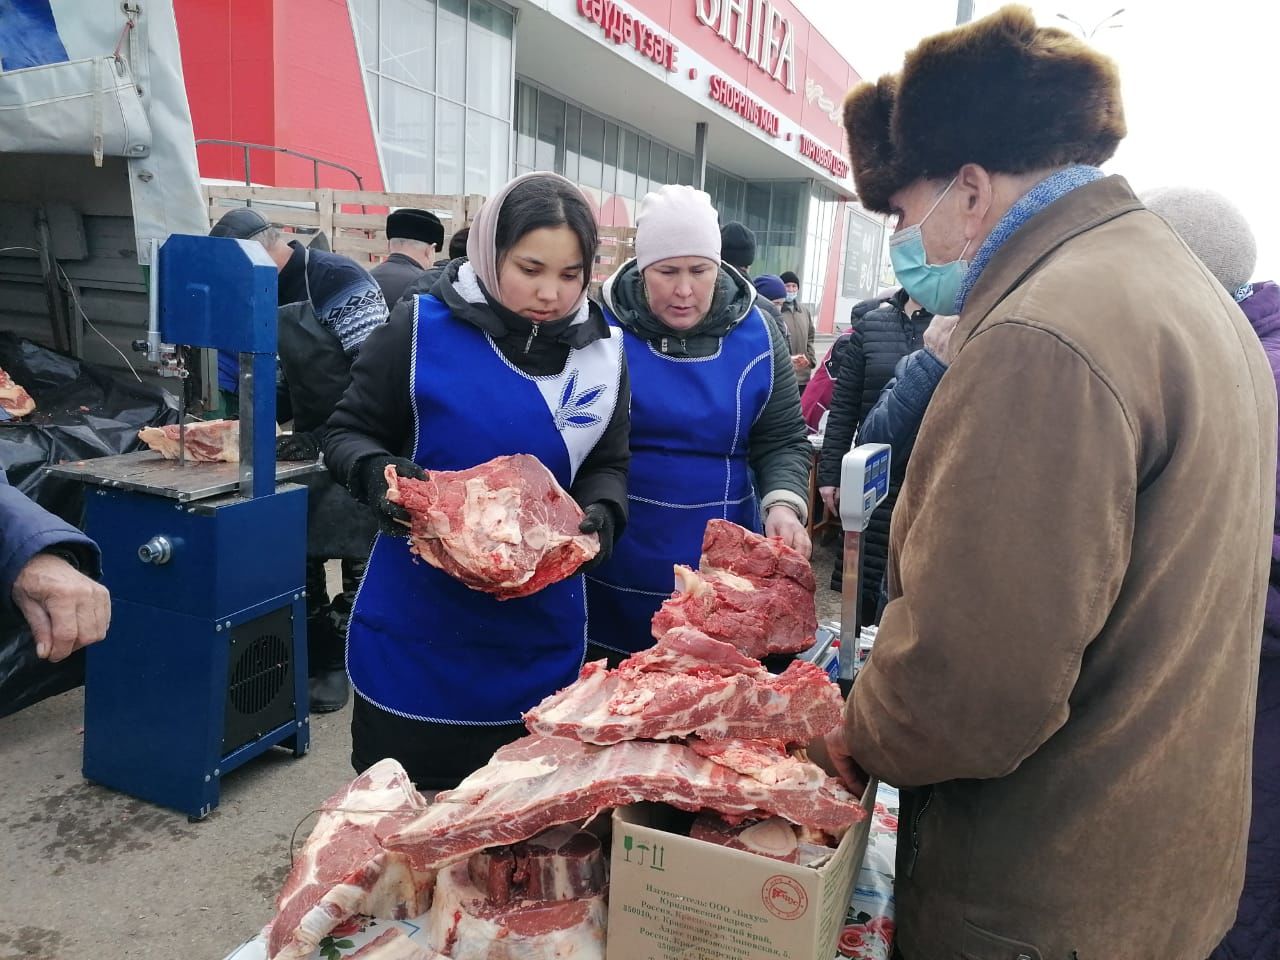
(407, 117)
(487, 140)
(451, 50)
(684, 171)
(549, 150)
(451, 136)
(609, 181)
(591, 173)
(757, 206)
(628, 143)
(438, 73)
(526, 127)
(572, 143)
(489, 60)
(406, 50)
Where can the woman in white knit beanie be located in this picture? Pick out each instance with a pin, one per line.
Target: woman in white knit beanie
(716, 430)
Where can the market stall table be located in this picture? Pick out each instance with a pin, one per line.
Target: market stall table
(868, 932)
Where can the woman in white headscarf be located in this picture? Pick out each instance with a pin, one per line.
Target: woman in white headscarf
(479, 368)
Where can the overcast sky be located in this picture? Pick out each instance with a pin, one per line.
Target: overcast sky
(1201, 86)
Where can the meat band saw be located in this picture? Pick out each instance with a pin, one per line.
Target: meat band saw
(205, 664)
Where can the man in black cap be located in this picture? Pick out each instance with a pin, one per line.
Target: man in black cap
(327, 305)
(738, 249)
(414, 237)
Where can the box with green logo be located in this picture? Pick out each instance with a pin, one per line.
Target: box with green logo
(675, 898)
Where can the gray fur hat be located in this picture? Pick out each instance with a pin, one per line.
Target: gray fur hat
(1213, 227)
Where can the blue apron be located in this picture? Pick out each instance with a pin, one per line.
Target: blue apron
(690, 421)
(421, 644)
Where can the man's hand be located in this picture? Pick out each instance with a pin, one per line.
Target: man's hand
(937, 338)
(832, 754)
(800, 362)
(830, 499)
(64, 608)
(783, 521)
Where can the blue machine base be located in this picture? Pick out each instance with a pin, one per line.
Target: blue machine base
(221, 625)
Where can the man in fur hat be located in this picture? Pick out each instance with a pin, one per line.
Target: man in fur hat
(1064, 678)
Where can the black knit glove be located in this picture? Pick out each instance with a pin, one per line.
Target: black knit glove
(371, 488)
(598, 519)
(297, 446)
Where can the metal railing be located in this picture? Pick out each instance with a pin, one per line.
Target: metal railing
(246, 148)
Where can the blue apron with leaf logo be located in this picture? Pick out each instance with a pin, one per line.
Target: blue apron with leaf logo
(424, 646)
(690, 421)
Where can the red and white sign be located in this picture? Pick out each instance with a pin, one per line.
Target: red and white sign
(750, 109)
(622, 28)
(758, 31)
(824, 157)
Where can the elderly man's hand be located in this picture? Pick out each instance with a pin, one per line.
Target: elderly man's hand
(937, 338)
(65, 609)
(783, 521)
(832, 754)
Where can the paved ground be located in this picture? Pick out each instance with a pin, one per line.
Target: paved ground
(91, 873)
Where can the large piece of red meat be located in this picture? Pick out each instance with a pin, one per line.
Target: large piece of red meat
(505, 527)
(691, 684)
(207, 441)
(538, 782)
(343, 870)
(751, 591)
(14, 399)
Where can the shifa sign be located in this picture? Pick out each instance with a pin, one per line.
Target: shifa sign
(757, 31)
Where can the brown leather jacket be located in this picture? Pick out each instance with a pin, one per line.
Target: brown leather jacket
(1067, 669)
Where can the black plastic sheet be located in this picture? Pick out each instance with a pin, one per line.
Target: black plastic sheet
(83, 411)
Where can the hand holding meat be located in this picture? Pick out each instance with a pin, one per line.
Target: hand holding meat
(375, 488)
(504, 527)
(782, 521)
(832, 754)
(598, 519)
(64, 609)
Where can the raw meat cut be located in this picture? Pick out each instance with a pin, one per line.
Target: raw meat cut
(14, 399)
(538, 782)
(394, 945)
(764, 760)
(751, 591)
(207, 441)
(465, 925)
(343, 871)
(564, 863)
(690, 684)
(505, 527)
(774, 837)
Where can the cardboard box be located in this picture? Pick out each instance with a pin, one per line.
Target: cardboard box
(675, 898)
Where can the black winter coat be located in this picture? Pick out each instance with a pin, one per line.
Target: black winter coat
(877, 342)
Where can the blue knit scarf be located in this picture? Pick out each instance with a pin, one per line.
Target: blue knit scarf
(1050, 189)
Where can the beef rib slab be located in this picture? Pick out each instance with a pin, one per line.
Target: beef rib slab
(538, 782)
(207, 441)
(691, 684)
(14, 399)
(342, 869)
(464, 925)
(751, 591)
(505, 527)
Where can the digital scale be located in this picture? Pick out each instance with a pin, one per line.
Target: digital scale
(864, 483)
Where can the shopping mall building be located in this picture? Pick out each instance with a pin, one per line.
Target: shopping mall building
(454, 96)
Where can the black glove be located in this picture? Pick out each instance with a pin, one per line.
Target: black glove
(297, 446)
(598, 519)
(371, 488)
